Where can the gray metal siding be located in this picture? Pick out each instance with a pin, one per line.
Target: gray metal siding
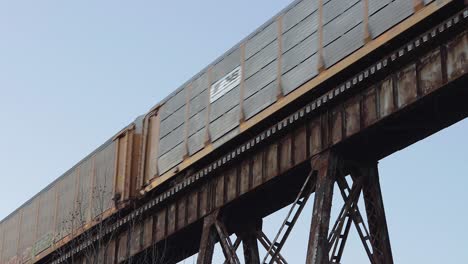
(197, 122)
(343, 23)
(171, 158)
(261, 59)
(196, 142)
(260, 100)
(343, 46)
(226, 65)
(226, 137)
(171, 140)
(261, 40)
(297, 13)
(335, 8)
(300, 74)
(199, 85)
(225, 103)
(198, 103)
(376, 5)
(389, 16)
(261, 79)
(173, 104)
(172, 122)
(225, 123)
(298, 54)
(299, 32)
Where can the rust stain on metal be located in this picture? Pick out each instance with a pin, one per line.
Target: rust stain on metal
(430, 72)
(315, 137)
(387, 103)
(369, 106)
(457, 57)
(271, 164)
(336, 125)
(353, 117)
(407, 85)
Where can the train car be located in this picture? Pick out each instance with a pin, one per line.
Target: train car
(95, 188)
(286, 58)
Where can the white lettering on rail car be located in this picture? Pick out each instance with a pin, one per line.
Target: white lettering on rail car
(226, 84)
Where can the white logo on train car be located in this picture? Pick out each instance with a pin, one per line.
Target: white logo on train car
(226, 84)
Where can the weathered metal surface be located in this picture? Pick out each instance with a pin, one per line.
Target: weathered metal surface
(377, 101)
(311, 36)
(326, 167)
(380, 239)
(323, 129)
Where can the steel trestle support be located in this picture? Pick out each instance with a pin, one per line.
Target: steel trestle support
(325, 246)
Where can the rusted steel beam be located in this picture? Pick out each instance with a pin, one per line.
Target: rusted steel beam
(380, 239)
(228, 249)
(250, 245)
(266, 243)
(326, 167)
(208, 239)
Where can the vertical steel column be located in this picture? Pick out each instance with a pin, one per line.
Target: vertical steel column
(376, 215)
(250, 244)
(208, 239)
(326, 167)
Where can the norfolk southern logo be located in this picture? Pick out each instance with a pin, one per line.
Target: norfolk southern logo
(226, 84)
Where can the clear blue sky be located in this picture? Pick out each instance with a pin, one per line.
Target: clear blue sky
(73, 73)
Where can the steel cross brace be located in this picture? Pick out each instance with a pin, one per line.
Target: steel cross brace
(288, 224)
(213, 229)
(349, 214)
(375, 239)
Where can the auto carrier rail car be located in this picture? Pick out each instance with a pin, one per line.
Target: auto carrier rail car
(287, 57)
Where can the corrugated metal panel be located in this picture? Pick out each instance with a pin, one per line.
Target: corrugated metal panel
(225, 103)
(298, 13)
(259, 60)
(226, 65)
(11, 236)
(1, 240)
(198, 103)
(299, 75)
(173, 104)
(172, 158)
(226, 137)
(298, 54)
(197, 122)
(225, 123)
(389, 16)
(199, 85)
(343, 46)
(343, 23)
(173, 121)
(335, 8)
(84, 191)
(261, 40)
(260, 100)
(261, 79)
(103, 190)
(375, 5)
(299, 32)
(171, 140)
(65, 204)
(46, 218)
(28, 230)
(196, 142)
